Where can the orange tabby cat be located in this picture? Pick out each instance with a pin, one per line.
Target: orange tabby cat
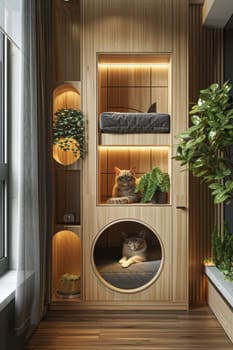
(124, 188)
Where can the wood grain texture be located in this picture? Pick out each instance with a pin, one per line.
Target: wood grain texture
(66, 244)
(127, 87)
(221, 309)
(135, 139)
(67, 194)
(159, 28)
(66, 41)
(141, 159)
(66, 256)
(66, 96)
(205, 68)
(196, 329)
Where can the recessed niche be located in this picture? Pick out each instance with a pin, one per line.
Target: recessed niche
(142, 159)
(133, 82)
(65, 96)
(122, 266)
(66, 264)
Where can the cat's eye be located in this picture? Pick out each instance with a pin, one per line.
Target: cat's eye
(125, 177)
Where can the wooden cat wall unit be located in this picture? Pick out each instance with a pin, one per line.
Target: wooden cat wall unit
(134, 54)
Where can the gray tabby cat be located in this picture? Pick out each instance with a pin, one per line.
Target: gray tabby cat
(123, 191)
(134, 249)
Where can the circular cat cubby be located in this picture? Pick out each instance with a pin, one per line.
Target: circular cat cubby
(127, 255)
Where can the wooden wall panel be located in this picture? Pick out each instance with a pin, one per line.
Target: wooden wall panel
(66, 41)
(152, 26)
(67, 194)
(135, 26)
(205, 67)
(132, 88)
(179, 98)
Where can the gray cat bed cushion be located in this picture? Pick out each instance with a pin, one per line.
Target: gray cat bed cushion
(131, 277)
(120, 123)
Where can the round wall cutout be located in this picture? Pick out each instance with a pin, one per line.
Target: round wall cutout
(127, 256)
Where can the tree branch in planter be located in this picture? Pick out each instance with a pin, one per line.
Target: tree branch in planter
(205, 146)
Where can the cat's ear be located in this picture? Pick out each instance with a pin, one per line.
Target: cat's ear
(116, 170)
(142, 234)
(133, 170)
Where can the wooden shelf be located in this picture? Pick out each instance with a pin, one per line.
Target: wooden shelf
(135, 139)
(68, 227)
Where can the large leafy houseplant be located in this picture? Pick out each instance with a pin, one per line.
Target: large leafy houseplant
(205, 146)
(68, 130)
(152, 182)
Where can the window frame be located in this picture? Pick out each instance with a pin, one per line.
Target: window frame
(4, 261)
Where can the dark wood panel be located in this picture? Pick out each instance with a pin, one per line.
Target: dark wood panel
(66, 40)
(67, 192)
(70, 330)
(205, 67)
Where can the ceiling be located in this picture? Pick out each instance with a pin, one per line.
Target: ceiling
(216, 13)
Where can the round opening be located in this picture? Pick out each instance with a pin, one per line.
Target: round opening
(127, 256)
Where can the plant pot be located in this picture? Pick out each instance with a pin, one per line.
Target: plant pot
(68, 288)
(160, 197)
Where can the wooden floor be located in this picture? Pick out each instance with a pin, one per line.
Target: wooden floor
(73, 330)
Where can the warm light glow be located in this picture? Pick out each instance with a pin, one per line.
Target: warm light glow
(133, 65)
(126, 148)
(209, 262)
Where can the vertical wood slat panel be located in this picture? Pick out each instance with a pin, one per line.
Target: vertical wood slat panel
(205, 67)
(179, 96)
(133, 26)
(66, 41)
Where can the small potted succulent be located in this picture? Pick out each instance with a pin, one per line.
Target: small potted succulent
(69, 284)
(154, 186)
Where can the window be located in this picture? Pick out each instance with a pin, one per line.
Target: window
(3, 158)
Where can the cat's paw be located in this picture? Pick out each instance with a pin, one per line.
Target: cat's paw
(122, 260)
(125, 264)
(118, 200)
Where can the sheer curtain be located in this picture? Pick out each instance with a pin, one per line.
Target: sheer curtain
(27, 215)
(29, 170)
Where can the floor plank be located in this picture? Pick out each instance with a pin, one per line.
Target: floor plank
(124, 330)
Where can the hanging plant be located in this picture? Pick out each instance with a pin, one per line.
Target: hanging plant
(206, 146)
(69, 131)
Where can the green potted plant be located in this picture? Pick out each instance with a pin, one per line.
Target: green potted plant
(68, 131)
(205, 146)
(154, 186)
(222, 252)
